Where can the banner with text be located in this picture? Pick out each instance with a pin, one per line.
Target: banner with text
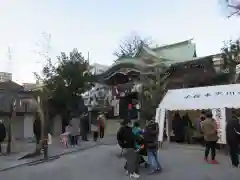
(160, 118)
(219, 114)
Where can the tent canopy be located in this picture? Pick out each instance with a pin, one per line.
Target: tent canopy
(209, 97)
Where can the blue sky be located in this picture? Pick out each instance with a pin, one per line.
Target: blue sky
(97, 27)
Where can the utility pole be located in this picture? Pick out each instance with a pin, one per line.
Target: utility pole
(45, 127)
(12, 106)
(89, 107)
(44, 104)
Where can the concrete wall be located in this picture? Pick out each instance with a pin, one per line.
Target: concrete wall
(17, 126)
(22, 126)
(28, 127)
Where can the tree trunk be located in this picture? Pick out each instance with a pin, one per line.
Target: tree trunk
(11, 117)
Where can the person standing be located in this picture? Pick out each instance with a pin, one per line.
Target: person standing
(233, 139)
(199, 128)
(69, 130)
(151, 141)
(128, 143)
(84, 126)
(209, 128)
(187, 123)
(95, 131)
(2, 134)
(75, 124)
(129, 111)
(178, 128)
(37, 130)
(101, 125)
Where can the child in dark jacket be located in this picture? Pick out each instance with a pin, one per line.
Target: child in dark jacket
(128, 142)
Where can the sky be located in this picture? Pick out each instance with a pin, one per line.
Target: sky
(98, 27)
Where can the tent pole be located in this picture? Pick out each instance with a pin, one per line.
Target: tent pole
(167, 126)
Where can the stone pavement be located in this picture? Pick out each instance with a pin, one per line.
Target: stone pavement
(101, 163)
(21, 148)
(24, 147)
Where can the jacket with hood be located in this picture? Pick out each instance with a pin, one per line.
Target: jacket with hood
(151, 136)
(126, 138)
(209, 129)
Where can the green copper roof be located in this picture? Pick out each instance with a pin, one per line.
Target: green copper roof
(146, 58)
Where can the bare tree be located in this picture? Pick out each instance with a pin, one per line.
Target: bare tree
(233, 7)
(230, 55)
(130, 46)
(44, 46)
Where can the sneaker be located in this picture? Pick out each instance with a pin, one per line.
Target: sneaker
(152, 172)
(126, 172)
(214, 162)
(158, 170)
(134, 176)
(205, 159)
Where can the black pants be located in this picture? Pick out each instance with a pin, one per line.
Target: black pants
(126, 168)
(141, 161)
(233, 151)
(95, 135)
(74, 140)
(101, 132)
(38, 139)
(210, 145)
(132, 157)
(84, 136)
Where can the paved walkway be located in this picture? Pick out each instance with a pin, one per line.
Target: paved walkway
(101, 163)
(23, 147)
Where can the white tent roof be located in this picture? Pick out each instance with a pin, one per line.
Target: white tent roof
(209, 97)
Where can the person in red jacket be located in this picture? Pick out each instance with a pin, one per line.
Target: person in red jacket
(129, 111)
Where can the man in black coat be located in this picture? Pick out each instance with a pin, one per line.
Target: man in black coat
(151, 142)
(84, 124)
(233, 139)
(127, 141)
(37, 128)
(2, 134)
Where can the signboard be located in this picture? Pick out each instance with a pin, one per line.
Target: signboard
(212, 94)
(219, 114)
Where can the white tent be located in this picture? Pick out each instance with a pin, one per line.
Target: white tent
(210, 97)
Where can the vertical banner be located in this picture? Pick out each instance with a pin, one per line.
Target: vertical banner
(160, 118)
(219, 114)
